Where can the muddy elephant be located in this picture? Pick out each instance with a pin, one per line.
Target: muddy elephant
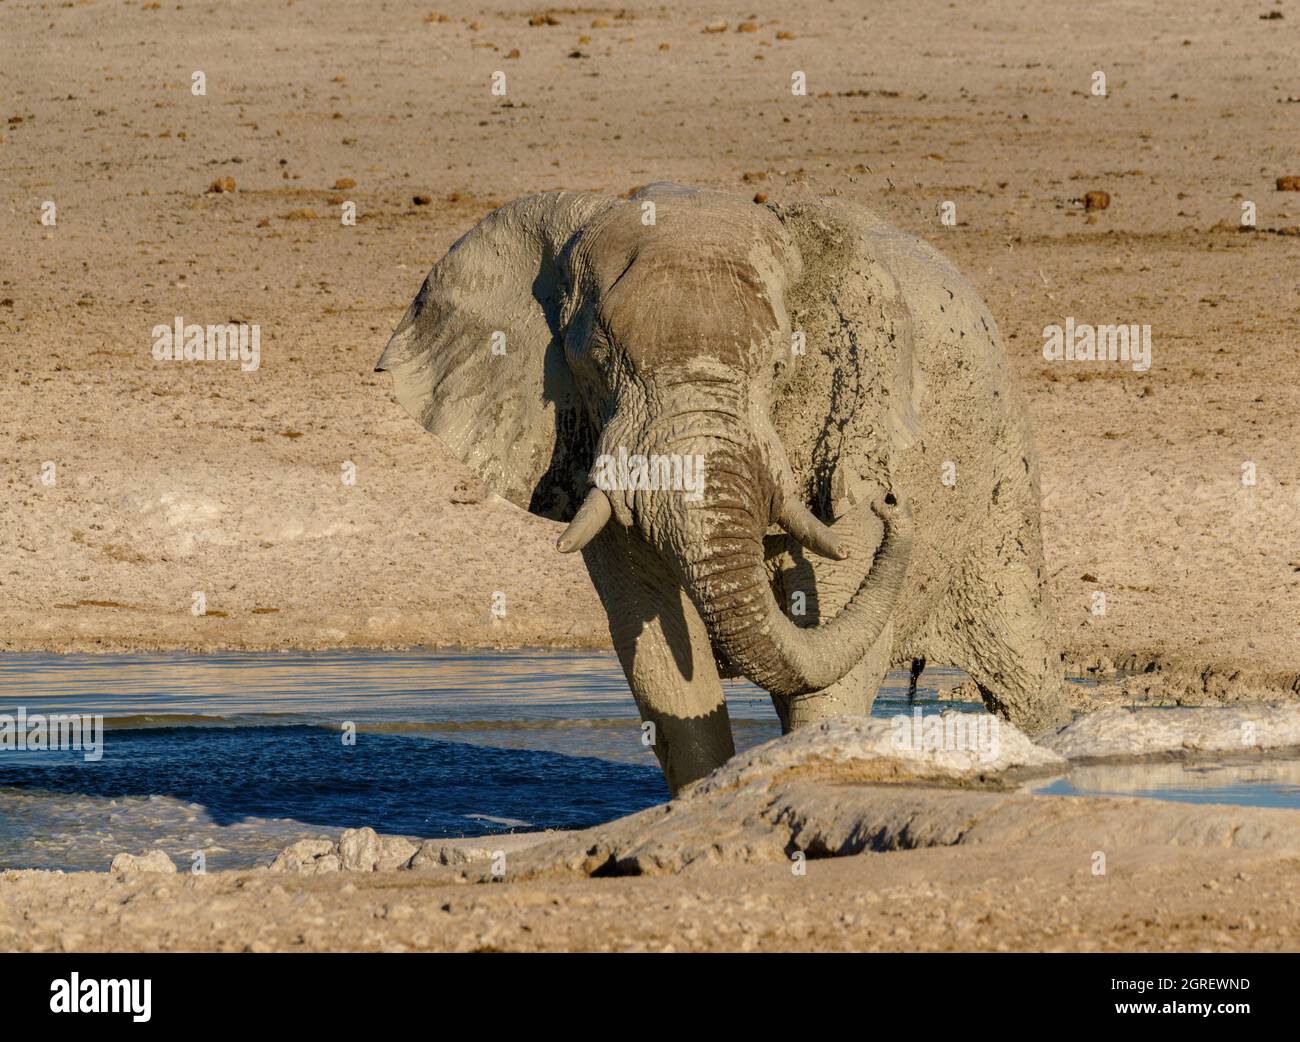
(783, 437)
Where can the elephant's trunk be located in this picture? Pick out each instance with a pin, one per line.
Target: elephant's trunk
(716, 545)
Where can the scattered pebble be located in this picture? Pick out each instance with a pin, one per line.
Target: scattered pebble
(222, 184)
(345, 182)
(1096, 200)
(133, 864)
(468, 490)
(1290, 183)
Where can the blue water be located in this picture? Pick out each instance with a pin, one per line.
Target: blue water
(1262, 783)
(234, 756)
(238, 754)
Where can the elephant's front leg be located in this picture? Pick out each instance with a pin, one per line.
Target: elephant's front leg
(666, 656)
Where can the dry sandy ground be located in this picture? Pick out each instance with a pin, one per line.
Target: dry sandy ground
(172, 479)
(175, 478)
(968, 899)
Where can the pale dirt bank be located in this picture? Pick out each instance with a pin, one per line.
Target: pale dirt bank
(173, 479)
(901, 850)
(995, 899)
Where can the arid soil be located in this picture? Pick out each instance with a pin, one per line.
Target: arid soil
(956, 899)
(175, 478)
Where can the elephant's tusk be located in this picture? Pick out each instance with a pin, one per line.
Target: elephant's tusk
(586, 523)
(804, 527)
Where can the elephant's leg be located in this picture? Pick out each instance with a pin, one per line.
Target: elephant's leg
(851, 695)
(666, 656)
(1002, 635)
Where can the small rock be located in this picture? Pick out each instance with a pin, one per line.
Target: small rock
(362, 850)
(395, 852)
(421, 200)
(1096, 200)
(1290, 183)
(307, 857)
(438, 852)
(468, 490)
(720, 26)
(359, 850)
(133, 864)
(345, 182)
(222, 184)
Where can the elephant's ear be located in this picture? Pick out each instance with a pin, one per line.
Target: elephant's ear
(859, 376)
(479, 360)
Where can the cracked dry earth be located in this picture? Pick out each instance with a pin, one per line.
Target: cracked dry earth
(981, 898)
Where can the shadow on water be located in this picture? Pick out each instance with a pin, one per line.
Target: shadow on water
(394, 784)
(236, 755)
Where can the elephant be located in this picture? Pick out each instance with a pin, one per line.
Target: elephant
(869, 498)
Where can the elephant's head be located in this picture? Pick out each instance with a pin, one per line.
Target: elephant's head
(566, 331)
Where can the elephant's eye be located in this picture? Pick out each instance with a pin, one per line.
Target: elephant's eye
(588, 343)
